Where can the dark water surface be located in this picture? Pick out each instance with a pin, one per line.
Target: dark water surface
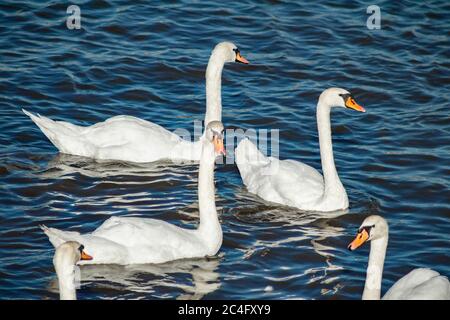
(148, 60)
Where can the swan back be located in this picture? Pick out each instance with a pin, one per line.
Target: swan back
(420, 284)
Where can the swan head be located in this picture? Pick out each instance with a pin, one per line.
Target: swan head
(228, 52)
(373, 227)
(68, 254)
(214, 134)
(337, 97)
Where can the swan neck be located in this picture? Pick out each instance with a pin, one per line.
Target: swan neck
(209, 226)
(331, 179)
(374, 274)
(66, 281)
(213, 88)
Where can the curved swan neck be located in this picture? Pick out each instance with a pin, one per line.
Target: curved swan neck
(66, 280)
(213, 88)
(209, 226)
(331, 179)
(374, 274)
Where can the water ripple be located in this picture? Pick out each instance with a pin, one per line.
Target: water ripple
(148, 61)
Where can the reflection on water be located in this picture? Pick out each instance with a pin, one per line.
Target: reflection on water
(65, 165)
(191, 279)
(312, 227)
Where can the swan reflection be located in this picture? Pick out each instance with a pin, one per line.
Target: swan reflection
(65, 165)
(309, 229)
(188, 279)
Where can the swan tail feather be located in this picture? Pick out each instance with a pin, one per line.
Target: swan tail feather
(66, 137)
(58, 237)
(249, 158)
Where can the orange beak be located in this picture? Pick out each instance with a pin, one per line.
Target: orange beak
(351, 103)
(240, 58)
(218, 146)
(361, 237)
(85, 256)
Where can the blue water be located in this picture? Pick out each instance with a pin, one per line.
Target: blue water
(148, 60)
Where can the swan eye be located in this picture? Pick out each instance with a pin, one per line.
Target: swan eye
(345, 96)
(81, 248)
(239, 57)
(366, 228)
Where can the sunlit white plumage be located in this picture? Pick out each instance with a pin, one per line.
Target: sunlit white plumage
(133, 240)
(293, 183)
(67, 255)
(419, 284)
(129, 138)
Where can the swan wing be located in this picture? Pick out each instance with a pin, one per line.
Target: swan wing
(420, 284)
(133, 231)
(130, 139)
(151, 240)
(121, 240)
(287, 182)
(123, 138)
(120, 130)
(103, 250)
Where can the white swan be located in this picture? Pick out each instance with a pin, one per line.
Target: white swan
(122, 240)
(419, 284)
(132, 139)
(67, 255)
(293, 183)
